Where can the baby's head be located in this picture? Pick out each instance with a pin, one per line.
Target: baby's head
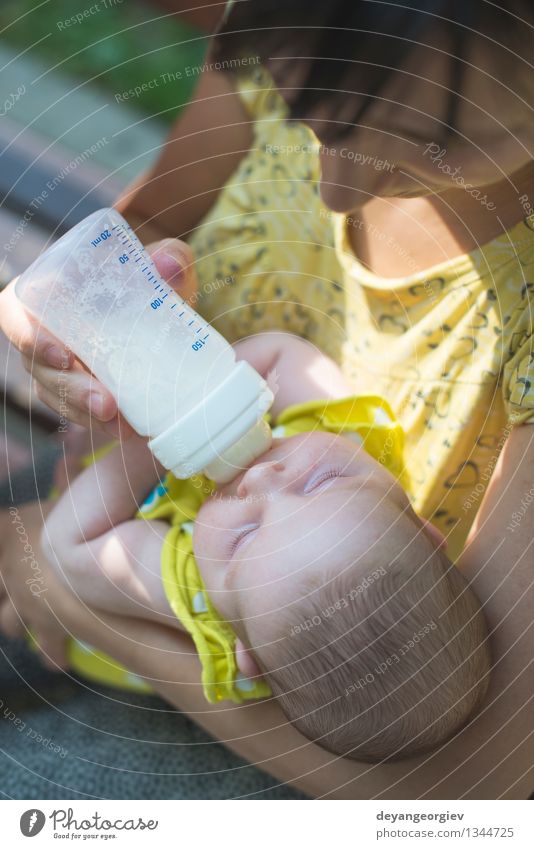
(343, 599)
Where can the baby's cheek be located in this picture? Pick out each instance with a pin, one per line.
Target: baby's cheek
(205, 528)
(209, 551)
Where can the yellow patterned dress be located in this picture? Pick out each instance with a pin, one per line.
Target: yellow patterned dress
(265, 251)
(450, 349)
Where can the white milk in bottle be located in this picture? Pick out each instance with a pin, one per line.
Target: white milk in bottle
(174, 377)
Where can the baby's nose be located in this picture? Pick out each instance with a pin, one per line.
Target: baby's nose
(260, 478)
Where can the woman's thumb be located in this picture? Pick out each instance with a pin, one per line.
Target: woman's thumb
(176, 264)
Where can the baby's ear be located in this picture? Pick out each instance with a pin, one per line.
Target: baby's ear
(245, 661)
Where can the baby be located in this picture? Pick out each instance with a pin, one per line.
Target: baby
(308, 577)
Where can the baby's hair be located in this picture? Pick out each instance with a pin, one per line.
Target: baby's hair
(385, 660)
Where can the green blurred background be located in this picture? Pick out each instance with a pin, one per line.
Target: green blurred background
(118, 46)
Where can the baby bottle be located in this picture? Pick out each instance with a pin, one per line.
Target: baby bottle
(174, 377)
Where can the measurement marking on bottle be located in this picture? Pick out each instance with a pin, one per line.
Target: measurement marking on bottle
(138, 253)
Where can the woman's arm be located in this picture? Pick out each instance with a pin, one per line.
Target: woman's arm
(492, 757)
(204, 147)
(106, 557)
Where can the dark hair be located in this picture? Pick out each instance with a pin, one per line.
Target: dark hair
(338, 39)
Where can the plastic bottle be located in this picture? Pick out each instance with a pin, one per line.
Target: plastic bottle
(174, 377)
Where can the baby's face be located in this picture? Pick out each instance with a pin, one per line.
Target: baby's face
(309, 508)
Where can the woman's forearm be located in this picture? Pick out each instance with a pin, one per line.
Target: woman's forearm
(480, 763)
(172, 196)
(491, 757)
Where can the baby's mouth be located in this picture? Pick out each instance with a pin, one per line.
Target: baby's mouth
(229, 489)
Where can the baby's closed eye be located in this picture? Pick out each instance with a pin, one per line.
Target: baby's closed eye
(321, 478)
(241, 537)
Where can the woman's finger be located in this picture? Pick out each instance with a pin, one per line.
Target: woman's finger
(81, 401)
(77, 416)
(53, 365)
(72, 392)
(28, 335)
(175, 262)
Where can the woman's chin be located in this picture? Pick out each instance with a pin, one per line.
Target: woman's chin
(342, 199)
(345, 199)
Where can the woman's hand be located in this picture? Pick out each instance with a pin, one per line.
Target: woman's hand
(78, 396)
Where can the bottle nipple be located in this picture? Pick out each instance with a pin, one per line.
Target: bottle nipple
(241, 455)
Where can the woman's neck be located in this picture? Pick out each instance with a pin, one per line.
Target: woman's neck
(396, 237)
